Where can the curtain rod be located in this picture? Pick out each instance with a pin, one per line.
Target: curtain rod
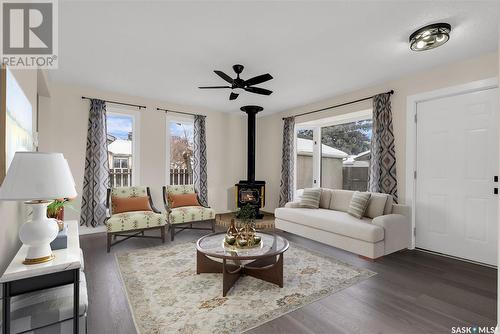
(179, 112)
(114, 102)
(341, 105)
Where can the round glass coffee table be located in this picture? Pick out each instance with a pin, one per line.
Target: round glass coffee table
(264, 261)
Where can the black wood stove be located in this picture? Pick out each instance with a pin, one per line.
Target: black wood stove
(250, 191)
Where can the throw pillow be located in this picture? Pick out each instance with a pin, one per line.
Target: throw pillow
(310, 198)
(376, 205)
(179, 200)
(127, 204)
(325, 199)
(359, 202)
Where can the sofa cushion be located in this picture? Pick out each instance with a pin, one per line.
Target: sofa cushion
(126, 192)
(129, 221)
(179, 200)
(359, 203)
(310, 198)
(334, 222)
(128, 204)
(326, 197)
(188, 214)
(388, 205)
(180, 189)
(341, 199)
(376, 205)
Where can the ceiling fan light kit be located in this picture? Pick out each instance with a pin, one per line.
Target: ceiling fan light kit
(238, 85)
(430, 37)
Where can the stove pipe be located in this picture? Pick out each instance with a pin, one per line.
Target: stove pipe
(251, 111)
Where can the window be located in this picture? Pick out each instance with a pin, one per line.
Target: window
(342, 160)
(345, 155)
(304, 158)
(120, 136)
(181, 153)
(120, 162)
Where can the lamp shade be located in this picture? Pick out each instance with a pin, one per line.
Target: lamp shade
(37, 176)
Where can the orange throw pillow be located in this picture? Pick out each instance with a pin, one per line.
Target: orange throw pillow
(176, 201)
(120, 205)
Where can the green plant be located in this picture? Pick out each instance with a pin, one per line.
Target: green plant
(246, 214)
(56, 206)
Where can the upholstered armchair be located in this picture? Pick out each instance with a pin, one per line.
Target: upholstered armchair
(182, 213)
(130, 212)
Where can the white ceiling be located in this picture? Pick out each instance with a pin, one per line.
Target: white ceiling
(314, 50)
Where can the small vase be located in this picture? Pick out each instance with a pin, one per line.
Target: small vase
(60, 214)
(247, 232)
(232, 231)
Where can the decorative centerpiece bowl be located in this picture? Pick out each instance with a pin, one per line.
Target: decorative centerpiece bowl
(240, 242)
(244, 237)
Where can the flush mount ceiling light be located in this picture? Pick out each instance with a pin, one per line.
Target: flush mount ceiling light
(430, 37)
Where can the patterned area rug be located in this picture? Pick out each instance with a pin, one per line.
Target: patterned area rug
(167, 296)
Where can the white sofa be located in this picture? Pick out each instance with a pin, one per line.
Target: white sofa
(386, 227)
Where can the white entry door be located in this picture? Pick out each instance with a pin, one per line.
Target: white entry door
(457, 159)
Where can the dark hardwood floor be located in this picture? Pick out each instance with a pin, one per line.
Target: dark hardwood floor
(413, 292)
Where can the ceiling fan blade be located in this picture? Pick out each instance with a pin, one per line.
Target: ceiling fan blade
(258, 90)
(233, 96)
(224, 76)
(258, 79)
(212, 87)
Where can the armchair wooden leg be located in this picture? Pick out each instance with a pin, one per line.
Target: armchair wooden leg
(172, 233)
(109, 242)
(162, 232)
(213, 225)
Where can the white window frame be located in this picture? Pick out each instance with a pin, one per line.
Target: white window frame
(316, 163)
(121, 159)
(177, 118)
(316, 126)
(136, 117)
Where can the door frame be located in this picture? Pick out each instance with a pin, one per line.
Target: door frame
(411, 133)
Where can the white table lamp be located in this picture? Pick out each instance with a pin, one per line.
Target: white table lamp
(38, 178)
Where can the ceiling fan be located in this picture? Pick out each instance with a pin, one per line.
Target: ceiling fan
(239, 85)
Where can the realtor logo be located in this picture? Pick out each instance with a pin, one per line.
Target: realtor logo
(29, 38)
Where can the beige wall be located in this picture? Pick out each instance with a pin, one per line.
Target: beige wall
(63, 128)
(270, 127)
(13, 213)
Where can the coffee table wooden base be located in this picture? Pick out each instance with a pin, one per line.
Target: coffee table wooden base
(268, 269)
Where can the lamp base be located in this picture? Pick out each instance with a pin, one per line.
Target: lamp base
(39, 260)
(38, 233)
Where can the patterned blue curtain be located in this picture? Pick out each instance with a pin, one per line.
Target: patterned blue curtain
(96, 176)
(200, 159)
(382, 176)
(287, 161)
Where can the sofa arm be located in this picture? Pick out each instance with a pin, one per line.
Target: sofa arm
(402, 209)
(292, 205)
(397, 231)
